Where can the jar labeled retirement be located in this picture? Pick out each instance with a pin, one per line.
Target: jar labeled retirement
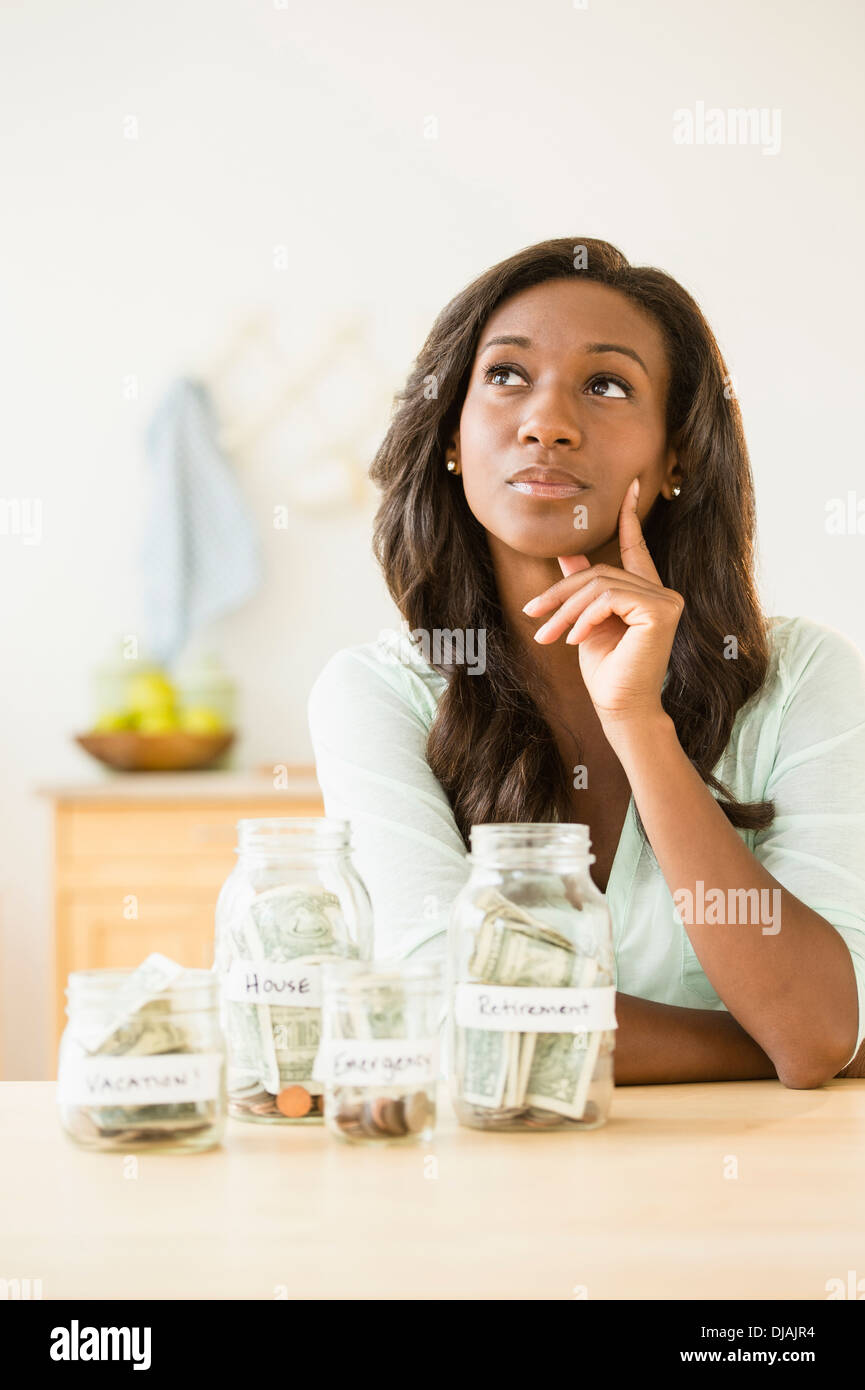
(293, 901)
(532, 983)
(142, 1059)
(379, 1055)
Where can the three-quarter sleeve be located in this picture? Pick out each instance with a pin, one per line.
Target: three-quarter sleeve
(816, 845)
(369, 730)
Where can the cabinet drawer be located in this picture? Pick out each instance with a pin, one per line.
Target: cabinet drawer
(96, 932)
(100, 932)
(120, 831)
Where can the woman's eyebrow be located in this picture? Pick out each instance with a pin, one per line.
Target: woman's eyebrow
(507, 338)
(594, 348)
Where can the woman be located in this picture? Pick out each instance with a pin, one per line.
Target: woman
(567, 528)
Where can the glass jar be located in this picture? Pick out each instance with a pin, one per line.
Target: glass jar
(293, 900)
(531, 983)
(379, 1055)
(142, 1068)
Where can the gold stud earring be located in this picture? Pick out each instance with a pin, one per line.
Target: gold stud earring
(452, 464)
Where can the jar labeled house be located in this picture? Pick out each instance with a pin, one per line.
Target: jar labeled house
(293, 901)
(531, 983)
(142, 1059)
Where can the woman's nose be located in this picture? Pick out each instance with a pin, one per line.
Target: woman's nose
(551, 420)
(548, 429)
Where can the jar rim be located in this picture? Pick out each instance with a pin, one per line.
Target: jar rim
(290, 834)
(548, 843)
(534, 829)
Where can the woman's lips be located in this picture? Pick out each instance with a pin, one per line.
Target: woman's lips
(533, 488)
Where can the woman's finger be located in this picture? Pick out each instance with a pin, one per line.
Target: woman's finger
(620, 603)
(632, 543)
(563, 589)
(570, 611)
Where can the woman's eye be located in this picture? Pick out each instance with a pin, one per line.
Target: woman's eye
(620, 388)
(502, 371)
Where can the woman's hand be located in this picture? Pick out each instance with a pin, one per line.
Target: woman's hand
(623, 620)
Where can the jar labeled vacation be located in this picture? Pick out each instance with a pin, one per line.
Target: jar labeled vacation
(142, 1059)
(293, 901)
(379, 1056)
(532, 983)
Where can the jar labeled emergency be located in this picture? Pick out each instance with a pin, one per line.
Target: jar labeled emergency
(293, 902)
(379, 1056)
(142, 1059)
(532, 983)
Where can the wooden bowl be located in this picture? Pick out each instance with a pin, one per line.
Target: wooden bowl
(128, 751)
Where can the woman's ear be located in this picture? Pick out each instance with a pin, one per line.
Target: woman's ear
(672, 484)
(452, 453)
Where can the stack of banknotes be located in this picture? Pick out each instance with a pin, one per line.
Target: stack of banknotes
(537, 1080)
(272, 1046)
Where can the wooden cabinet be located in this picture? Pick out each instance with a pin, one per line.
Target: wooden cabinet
(139, 864)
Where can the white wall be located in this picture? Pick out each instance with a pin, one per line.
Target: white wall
(304, 126)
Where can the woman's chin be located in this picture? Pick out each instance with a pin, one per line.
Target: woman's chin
(544, 543)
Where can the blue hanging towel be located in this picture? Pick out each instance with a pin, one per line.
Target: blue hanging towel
(200, 554)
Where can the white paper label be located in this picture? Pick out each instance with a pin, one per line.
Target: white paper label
(262, 982)
(165, 1079)
(378, 1061)
(515, 1009)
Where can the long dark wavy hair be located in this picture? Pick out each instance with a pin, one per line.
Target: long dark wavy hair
(490, 746)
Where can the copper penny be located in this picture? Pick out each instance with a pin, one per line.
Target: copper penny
(294, 1102)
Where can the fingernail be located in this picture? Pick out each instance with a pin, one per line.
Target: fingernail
(636, 487)
(530, 606)
(541, 631)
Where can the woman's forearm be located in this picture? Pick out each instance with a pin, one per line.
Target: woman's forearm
(662, 1043)
(789, 979)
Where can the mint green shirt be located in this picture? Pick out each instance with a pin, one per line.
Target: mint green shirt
(799, 741)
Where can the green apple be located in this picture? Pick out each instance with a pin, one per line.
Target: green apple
(200, 719)
(150, 692)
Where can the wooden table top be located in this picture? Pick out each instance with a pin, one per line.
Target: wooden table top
(727, 1190)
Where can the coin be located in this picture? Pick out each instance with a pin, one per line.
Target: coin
(379, 1108)
(368, 1121)
(82, 1124)
(392, 1118)
(416, 1111)
(294, 1102)
(264, 1107)
(542, 1119)
(248, 1102)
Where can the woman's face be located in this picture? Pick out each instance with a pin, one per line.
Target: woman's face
(577, 393)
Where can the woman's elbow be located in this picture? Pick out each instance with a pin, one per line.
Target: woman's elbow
(808, 1073)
